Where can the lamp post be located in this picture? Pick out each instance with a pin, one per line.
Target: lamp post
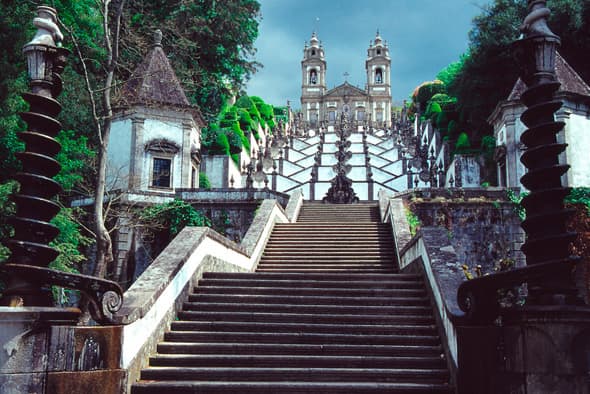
(547, 237)
(27, 275)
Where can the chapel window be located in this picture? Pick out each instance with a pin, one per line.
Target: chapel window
(378, 75)
(313, 77)
(162, 172)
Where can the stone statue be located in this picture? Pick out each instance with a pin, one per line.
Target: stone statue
(48, 32)
(535, 22)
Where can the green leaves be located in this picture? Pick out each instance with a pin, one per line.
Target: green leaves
(173, 217)
(74, 157)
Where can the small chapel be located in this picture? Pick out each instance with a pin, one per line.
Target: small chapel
(371, 104)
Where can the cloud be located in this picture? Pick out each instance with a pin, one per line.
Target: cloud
(424, 36)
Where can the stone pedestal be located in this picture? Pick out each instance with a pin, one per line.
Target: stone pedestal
(541, 350)
(43, 351)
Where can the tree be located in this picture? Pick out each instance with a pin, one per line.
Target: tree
(100, 98)
(210, 44)
(489, 72)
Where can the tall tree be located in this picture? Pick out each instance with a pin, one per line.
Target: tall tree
(102, 115)
(210, 44)
(489, 71)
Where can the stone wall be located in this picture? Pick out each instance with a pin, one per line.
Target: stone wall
(482, 225)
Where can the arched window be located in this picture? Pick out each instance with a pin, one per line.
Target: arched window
(161, 152)
(313, 77)
(378, 75)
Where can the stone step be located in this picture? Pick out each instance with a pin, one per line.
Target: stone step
(340, 267)
(300, 338)
(319, 277)
(294, 361)
(352, 377)
(309, 291)
(247, 387)
(334, 263)
(291, 249)
(328, 254)
(309, 284)
(305, 318)
(312, 299)
(393, 310)
(284, 327)
(297, 349)
(326, 270)
(331, 240)
(333, 231)
(335, 225)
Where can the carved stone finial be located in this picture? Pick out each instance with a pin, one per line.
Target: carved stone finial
(158, 38)
(48, 32)
(535, 23)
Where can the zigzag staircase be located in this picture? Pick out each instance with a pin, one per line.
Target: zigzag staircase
(376, 163)
(325, 312)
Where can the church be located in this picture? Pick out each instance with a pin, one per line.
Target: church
(371, 105)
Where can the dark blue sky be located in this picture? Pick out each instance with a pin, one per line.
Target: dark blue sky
(424, 36)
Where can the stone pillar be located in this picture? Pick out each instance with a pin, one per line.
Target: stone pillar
(137, 153)
(185, 174)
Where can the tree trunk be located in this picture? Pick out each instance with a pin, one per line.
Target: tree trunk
(104, 249)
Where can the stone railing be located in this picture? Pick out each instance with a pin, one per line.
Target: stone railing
(429, 252)
(152, 301)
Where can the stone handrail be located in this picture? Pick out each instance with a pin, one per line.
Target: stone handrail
(429, 251)
(152, 301)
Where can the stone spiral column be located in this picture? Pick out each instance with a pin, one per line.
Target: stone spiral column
(34, 205)
(547, 237)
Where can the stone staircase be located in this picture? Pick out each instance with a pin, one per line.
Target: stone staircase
(307, 164)
(325, 312)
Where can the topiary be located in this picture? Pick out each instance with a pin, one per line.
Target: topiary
(221, 146)
(462, 145)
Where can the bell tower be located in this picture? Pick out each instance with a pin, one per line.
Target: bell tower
(313, 80)
(378, 68)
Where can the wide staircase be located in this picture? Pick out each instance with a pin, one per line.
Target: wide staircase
(325, 312)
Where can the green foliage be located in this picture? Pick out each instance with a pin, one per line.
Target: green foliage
(488, 72)
(247, 124)
(173, 217)
(580, 195)
(7, 208)
(236, 158)
(68, 243)
(448, 74)
(281, 114)
(221, 145)
(432, 110)
(204, 182)
(462, 145)
(413, 221)
(209, 43)
(516, 199)
(74, 158)
(234, 140)
(426, 90)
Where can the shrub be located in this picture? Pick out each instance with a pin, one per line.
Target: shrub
(463, 144)
(221, 146)
(173, 216)
(204, 182)
(453, 129)
(234, 139)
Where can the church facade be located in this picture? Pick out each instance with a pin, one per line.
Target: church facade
(371, 105)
